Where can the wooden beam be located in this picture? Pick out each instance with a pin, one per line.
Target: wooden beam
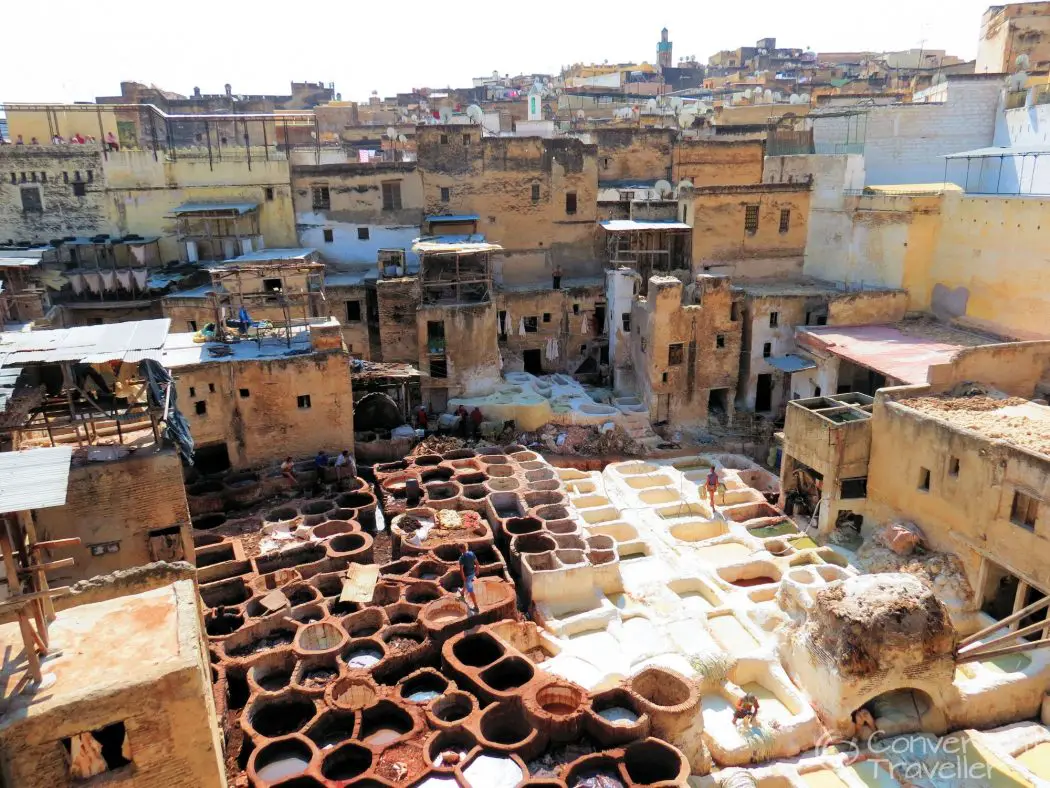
(1022, 613)
(53, 544)
(1011, 635)
(1002, 652)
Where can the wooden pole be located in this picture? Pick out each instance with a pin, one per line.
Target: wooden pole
(1002, 652)
(1022, 613)
(1012, 635)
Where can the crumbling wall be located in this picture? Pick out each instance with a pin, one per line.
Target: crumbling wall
(355, 332)
(723, 244)
(398, 301)
(114, 506)
(634, 154)
(682, 350)
(494, 177)
(51, 171)
(471, 355)
(718, 162)
(254, 406)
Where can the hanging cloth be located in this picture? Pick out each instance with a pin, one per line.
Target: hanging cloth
(140, 278)
(586, 328)
(109, 280)
(124, 278)
(93, 282)
(139, 253)
(554, 349)
(77, 282)
(521, 326)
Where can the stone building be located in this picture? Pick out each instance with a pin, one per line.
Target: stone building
(268, 397)
(129, 700)
(685, 350)
(1009, 31)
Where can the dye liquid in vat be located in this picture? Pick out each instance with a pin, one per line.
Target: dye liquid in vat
(288, 766)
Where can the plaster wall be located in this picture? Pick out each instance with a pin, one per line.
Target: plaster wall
(118, 501)
(253, 406)
(1011, 30)
(718, 163)
(471, 355)
(634, 153)
(398, 300)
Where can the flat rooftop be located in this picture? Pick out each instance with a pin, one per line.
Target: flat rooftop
(181, 351)
(995, 416)
(99, 648)
(903, 351)
(801, 287)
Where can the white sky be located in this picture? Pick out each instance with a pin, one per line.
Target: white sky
(67, 50)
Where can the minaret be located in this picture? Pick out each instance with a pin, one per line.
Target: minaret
(536, 102)
(663, 51)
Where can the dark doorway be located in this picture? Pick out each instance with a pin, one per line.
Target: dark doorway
(533, 361)
(718, 405)
(764, 393)
(599, 319)
(213, 458)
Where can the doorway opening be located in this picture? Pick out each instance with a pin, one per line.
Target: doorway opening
(213, 458)
(533, 361)
(764, 393)
(718, 405)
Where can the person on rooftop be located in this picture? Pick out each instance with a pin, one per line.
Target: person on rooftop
(111, 141)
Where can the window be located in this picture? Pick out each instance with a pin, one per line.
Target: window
(353, 311)
(362, 234)
(444, 139)
(391, 195)
(953, 466)
(625, 321)
(200, 407)
(438, 367)
(43, 177)
(570, 203)
(65, 176)
(466, 139)
(663, 378)
(855, 488)
(211, 388)
(329, 236)
(1024, 510)
(785, 220)
(272, 285)
(303, 401)
(446, 193)
(822, 320)
(535, 192)
(546, 317)
(816, 391)
(583, 349)
(924, 479)
(244, 393)
(720, 340)
(322, 199)
(193, 391)
(501, 319)
(734, 311)
(531, 325)
(576, 309)
(751, 219)
(111, 742)
(31, 202)
(767, 349)
(774, 319)
(675, 354)
(268, 193)
(192, 326)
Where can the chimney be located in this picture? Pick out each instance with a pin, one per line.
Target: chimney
(196, 92)
(229, 90)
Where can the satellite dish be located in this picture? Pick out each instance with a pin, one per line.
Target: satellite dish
(1021, 62)
(777, 96)
(391, 132)
(581, 115)
(651, 105)
(475, 114)
(686, 184)
(805, 98)
(768, 96)
(686, 117)
(663, 188)
(402, 138)
(446, 114)
(675, 102)
(608, 195)
(795, 99)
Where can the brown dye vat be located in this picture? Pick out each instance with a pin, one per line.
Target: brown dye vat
(345, 544)
(436, 475)
(280, 515)
(457, 741)
(609, 733)
(355, 500)
(333, 527)
(346, 762)
(206, 522)
(215, 556)
(508, 674)
(365, 622)
(402, 613)
(384, 723)
(451, 708)
(533, 543)
(459, 454)
(220, 626)
(503, 485)
(553, 484)
(318, 637)
(428, 570)
(273, 718)
(206, 540)
(445, 612)
(351, 692)
(653, 761)
(597, 769)
(426, 460)
(668, 698)
(545, 475)
(504, 724)
(272, 639)
(332, 727)
(470, 478)
(441, 491)
(500, 471)
(492, 459)
(280, 760)
(554, 512)
(423, 686)
(227, 593)
(475, 492)
(522, 525)
(747, 582)
(477, 650)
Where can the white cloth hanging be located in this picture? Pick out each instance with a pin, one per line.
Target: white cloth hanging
(124, 278)
(77, 282)
(139, 253)
(140, 278)
(547, 350)
(586, 328)
(554, 349)
(109, 280)
(521, 326)
(93, 282)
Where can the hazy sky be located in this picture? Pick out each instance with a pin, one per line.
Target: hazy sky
(73, 50)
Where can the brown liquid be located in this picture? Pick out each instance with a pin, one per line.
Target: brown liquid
(559, 709)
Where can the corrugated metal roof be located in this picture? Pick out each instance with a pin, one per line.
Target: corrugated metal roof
(132, 341)
(34, 478)
(205, 207)
(1013, 150)
(630, 225)
(448, 244)
(18, 262)
(791, 363)
(266, 255)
